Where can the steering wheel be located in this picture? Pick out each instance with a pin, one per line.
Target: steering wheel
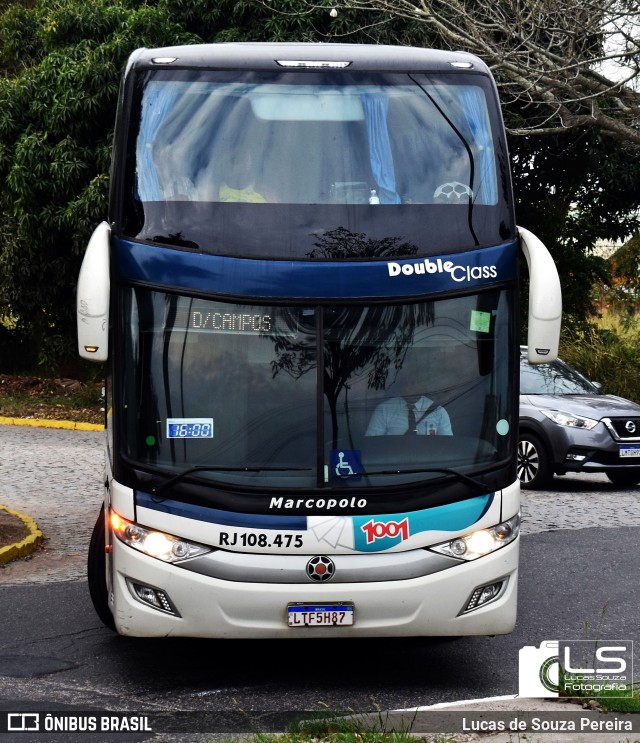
(453, 192)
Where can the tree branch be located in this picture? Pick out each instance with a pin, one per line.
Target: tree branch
(553, 56)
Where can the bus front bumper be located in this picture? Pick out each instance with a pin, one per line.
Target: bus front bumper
(194, 605)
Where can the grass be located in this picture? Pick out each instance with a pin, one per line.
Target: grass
(329, 727)
(356, 728)
(24, 396)
(630, 703)
(353, 736)
(612, 700)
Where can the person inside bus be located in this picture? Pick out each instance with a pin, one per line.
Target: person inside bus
(414, 412)
(241, 178)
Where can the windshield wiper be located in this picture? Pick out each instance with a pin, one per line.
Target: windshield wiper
(461, 476)
(175, 239)
(158, 489)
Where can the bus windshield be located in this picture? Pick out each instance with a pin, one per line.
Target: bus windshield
(308, 397)
(208, 144)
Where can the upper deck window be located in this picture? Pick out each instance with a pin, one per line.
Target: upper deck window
(323, 140)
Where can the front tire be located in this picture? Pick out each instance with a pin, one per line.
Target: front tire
(97, 573)
(624, 478)
(534, 465)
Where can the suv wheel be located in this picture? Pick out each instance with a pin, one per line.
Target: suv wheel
(624, 478)
(534, 466)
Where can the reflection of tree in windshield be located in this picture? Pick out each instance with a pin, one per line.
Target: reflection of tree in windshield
(552, 379)
(371, 339)
(340, 244)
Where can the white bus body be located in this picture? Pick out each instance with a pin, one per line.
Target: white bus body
(306, 296)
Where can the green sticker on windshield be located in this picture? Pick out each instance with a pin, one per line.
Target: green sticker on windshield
(480, 321)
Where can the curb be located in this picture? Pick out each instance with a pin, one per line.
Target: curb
(44, 423)
(28, 545)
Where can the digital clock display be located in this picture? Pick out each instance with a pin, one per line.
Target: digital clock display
(190, 428)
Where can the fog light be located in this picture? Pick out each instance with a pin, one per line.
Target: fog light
(483, 595)
(575, 457)
(153, 597)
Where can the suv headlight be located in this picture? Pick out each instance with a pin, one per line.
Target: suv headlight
(155, 543)
(481, 542)
(569, 419)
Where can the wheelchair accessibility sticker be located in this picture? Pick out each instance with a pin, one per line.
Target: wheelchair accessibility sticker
(346, 464)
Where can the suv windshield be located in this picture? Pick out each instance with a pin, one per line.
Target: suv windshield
(553, 379)
(315, 397)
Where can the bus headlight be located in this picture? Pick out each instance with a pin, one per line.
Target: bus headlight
(481, 542)
(155, 543)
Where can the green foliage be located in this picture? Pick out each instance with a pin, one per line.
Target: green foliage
(62, 62)
(288, 20)
(19, 36)
(572, 191)
(609, 355)
(16, 353)
(626, 265)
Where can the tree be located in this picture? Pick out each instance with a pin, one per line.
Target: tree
(550, 56)
(626, 265)
(376, 343)
(622, 293)
(573, 190)
(62, 63)
(60, 68)
(574, 134)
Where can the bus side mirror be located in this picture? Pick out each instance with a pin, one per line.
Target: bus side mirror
(545, 300)
(92, 297)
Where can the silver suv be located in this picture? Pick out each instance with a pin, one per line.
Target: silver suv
(568, 425)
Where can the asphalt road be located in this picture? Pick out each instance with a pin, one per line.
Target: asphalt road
(575, 583)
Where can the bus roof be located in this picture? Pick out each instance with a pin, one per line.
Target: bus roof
(313, 55)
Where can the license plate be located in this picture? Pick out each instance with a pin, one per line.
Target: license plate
(320, 615)
(629, 451)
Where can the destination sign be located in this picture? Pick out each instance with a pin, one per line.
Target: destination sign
(208, 317)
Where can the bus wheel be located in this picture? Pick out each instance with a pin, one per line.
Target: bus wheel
(97, 573)
(626, 479)
(534, 467)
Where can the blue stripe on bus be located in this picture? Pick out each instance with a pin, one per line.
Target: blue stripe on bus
(263, 279)
(377, 533)
(387, 530)
(217, 516)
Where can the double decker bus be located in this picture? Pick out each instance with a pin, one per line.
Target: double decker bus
(306, 299)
